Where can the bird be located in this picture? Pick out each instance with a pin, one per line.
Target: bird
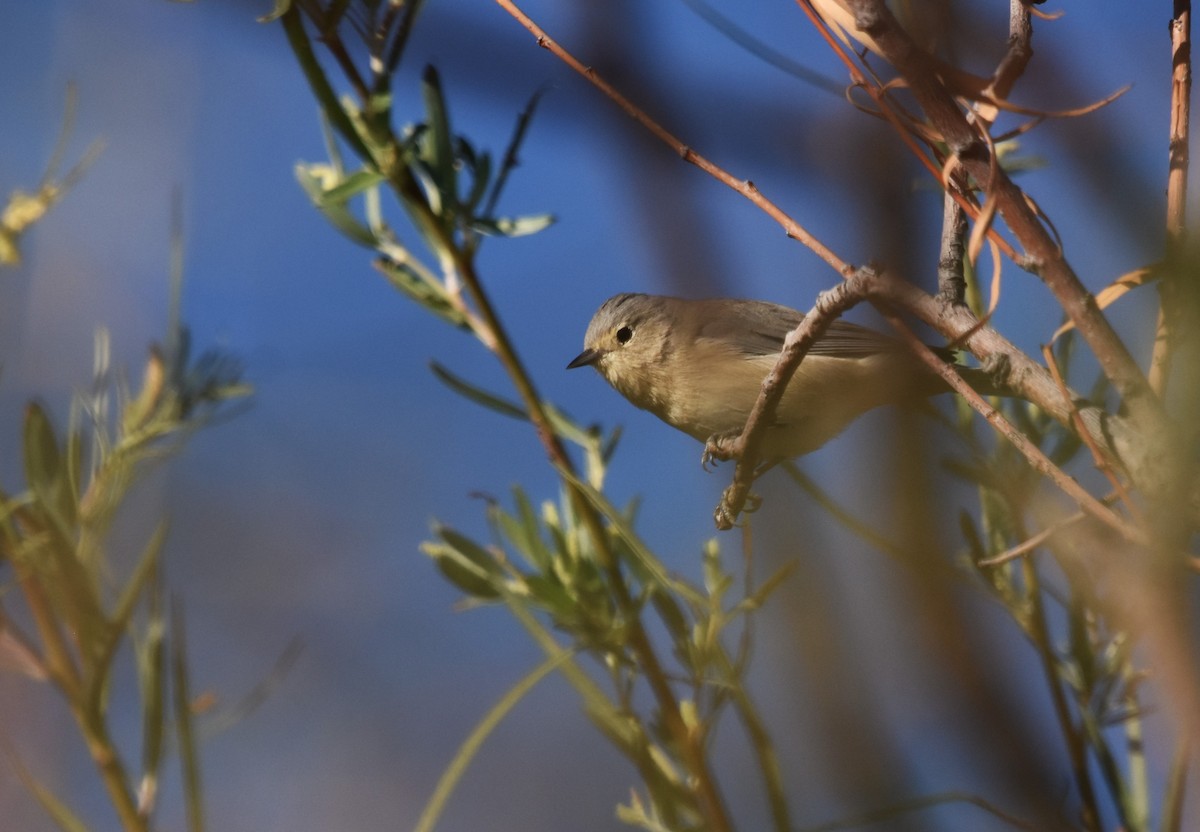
(699, 365)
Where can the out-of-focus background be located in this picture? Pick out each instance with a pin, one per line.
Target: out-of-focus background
(301, 518)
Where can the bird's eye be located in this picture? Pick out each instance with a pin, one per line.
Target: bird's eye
(624, 334)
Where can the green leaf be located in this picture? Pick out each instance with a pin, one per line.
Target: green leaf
(144, 572)
(481, 172)
(46, 469)
(550, 594)
(609, 447)
(462, 574)
(438, 154)
(352, 185)
(534, 544)
(465, 563)
(470, 550)
(189, 754)
(339, 216)
(470, 747)
(672, 616)
(514, 226)
(759, 597)
(429, 295)
(491, 401)
(298, 39)
(151, 662)
(63, 817)
(569, 429)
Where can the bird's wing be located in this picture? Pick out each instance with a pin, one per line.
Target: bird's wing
(758, 328)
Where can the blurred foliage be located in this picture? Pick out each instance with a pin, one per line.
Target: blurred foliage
(71, 608)
(85, 604)
(24, 209)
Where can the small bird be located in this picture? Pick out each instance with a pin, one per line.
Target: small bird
(699, 366)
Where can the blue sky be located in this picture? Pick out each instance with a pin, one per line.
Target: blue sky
(302, 517)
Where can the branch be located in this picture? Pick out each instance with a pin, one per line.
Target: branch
(1042, 255)
(743, 186)
(830, 304)
(1020, 51)
(887, 294)
(1169, 324)
(952, 286)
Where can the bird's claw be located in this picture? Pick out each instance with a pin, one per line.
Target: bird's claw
(719, 447)
(725, 519)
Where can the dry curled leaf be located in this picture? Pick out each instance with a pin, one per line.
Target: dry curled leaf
(1122, 285)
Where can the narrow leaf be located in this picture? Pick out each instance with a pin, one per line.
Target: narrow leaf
(352, 185)
(469, 577)
(491, 401)
(151, 656)
(514, 226)
(533, 541)
(281, 6)
(145, 570)
(189, 755)
(45, 468)
(63, 817)
(438, 145)
(431, 296)
(312, 179)
(1110, 293)
(298, 39)
(470, 747)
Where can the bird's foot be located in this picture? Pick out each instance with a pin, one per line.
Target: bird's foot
(720, 447)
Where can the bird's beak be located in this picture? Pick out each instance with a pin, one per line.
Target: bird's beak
(584, 358)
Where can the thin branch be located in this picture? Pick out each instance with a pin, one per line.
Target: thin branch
(1030, 543)
(1020, 51)
(745, 187)
(761, 50)
(830, 304)
(1039, 632)
(1032, 453)
(1169, 323)
(1101, 461)
(952, 286)
(1042, 254)
(1176, 787)
(902, 122)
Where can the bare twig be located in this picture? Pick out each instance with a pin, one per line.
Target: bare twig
(745, 448)
(1169, 325)
(878, 289)
(1020, 51)
(743, 186)
(1042, 255)
(952, 286)
(1030, 543)
(1102, 462)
